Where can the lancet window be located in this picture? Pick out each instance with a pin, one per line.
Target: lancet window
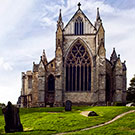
(51, 83)
(79, 26)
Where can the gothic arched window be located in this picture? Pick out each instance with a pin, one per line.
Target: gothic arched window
(79, 26)
(78, 69)
(51, 83)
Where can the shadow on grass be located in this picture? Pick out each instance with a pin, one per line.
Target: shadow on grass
(39, 130)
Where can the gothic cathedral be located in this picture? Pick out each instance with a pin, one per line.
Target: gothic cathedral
(80, 71)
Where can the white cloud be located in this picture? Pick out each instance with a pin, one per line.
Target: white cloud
(5, 65)
(12, 13)
(118, 23)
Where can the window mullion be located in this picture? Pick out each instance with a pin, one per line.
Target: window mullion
(75, 28)
(89, 87)
(76, 78)
(68, 77)
(80, 77)
(72, 78)
(78, 28)
(84, 78)
(87, 76)
(82, 28)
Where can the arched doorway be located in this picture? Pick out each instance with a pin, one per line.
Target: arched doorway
(78, 69)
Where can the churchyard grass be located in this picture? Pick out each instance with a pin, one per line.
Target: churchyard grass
(122, 126)
(55, 120)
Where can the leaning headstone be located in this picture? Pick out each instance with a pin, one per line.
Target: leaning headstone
(92, 113)
(12, 119)
(68, 105)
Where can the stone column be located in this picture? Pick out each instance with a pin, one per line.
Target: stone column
(41, 84)
(101, 75)
(58, 78)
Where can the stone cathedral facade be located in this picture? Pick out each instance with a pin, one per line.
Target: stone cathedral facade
(80, 71)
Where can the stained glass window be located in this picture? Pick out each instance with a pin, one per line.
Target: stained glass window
(78, 69)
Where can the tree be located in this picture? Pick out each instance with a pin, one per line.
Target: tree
(2, 104)
(131, 90)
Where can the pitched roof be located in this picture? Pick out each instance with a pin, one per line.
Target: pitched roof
(79, 10)
(51, 61)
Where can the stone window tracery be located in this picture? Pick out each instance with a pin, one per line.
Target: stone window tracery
(78, 69)
(79, 26)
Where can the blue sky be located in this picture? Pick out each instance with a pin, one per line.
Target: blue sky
(28, 26)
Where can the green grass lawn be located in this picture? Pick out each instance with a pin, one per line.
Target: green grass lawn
(41, 121)
(123, 126)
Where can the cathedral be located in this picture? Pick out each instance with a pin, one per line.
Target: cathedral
(80, 71)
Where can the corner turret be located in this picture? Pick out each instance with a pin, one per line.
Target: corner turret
(60, 22)
(113, 57)
(44, 59)
(59, 32)
(98, 20)
(59, 62)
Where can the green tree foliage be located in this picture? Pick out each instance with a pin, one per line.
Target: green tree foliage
(131, 90)
(2, 104)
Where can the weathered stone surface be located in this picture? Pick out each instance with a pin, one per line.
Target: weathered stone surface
(12, 119)
(81, 97)
(108, 77)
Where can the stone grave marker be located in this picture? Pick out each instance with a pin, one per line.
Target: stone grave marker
(92, 113)
(12, 119)
(68, 105)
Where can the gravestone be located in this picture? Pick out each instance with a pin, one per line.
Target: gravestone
(68, 105)
(12, 119)
(92, 113)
